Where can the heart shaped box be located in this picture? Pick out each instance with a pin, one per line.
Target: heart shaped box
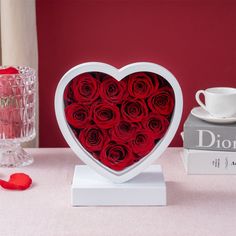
(118, 74)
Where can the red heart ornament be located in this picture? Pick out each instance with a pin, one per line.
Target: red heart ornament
(17, 181)
(118, 121)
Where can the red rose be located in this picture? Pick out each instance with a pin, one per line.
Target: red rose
(139, 85)
(124, 84)
(98, 75)
(85, 88)
(68, 94)
(162, 102)
(143, 142)
(124, 131)
(77, 115)
(134, 110)
(155, 80)
(116, 156)
(111, 90)
(92, 138)
(157, 124)
(106, 115)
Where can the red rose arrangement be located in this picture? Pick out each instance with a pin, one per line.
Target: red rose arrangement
(119, 123)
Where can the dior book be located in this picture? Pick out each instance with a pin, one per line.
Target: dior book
(201, 135)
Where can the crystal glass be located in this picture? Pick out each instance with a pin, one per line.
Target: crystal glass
(17, 116)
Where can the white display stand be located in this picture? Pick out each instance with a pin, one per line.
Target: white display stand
(91, 189)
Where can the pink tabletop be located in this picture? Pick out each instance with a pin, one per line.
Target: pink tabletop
(197, 205)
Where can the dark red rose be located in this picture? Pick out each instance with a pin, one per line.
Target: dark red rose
(157, 124)
(116, 156)
(162, 101)
(77, 115)
(134, 110)
(124, 131)
(106, 115)
(85, 88)
(92, 138)
(111, 90)
(98, 75)
(143, 142)
(155, 80)
(68, 94)
(140, 85)
(124, 84)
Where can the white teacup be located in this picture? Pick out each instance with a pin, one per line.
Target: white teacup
(219, 102)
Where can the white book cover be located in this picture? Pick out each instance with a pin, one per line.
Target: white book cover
(209, 162)
(202, 135)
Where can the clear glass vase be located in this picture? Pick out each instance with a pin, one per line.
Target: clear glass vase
(17, 116)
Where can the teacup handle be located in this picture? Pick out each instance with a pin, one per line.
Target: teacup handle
(197, 96)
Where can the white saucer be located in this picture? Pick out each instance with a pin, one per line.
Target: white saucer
(200, 113)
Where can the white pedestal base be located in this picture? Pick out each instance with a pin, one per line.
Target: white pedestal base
(91, 189)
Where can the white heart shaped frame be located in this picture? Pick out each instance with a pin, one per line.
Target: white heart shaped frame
(119, 74)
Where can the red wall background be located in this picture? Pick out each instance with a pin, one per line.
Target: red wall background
(195, 40)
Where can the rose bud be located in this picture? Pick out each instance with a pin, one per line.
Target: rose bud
(134, 110)
(162, 101)
(116, 156)
(77, 115)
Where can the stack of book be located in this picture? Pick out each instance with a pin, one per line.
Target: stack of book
(209, 148)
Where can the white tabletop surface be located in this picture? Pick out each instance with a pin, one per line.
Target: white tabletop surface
(197, 205)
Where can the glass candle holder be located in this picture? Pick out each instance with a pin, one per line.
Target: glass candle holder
(17, 115)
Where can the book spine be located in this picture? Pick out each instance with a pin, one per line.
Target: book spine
(215, 138)
(209, 162)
